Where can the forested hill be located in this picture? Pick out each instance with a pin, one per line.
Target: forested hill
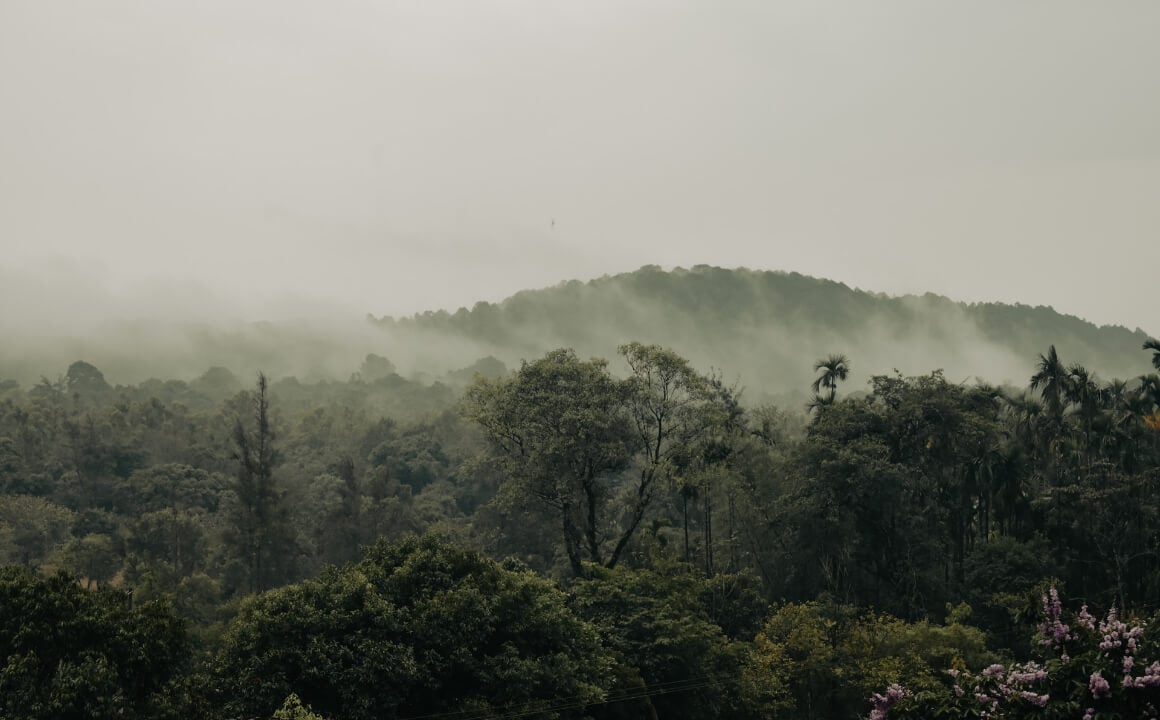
(761, 329)
(766, 328)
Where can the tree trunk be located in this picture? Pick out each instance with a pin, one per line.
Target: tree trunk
(708, 531)
(594, 553)
(685, 514)
(571, 541)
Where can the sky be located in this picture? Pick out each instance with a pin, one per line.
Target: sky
(279, 157)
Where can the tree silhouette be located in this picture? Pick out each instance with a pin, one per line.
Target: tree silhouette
(1051, 379)
(835, 369)
(1154, 346)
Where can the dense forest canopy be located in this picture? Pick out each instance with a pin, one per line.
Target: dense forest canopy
(759, 327)
(618, 536)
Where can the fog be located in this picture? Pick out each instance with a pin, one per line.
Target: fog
(764, 331)
(171, 173)
(758, 331)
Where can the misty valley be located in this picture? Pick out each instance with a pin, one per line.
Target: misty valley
(700, 493)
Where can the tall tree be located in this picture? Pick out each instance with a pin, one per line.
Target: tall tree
(674, 410)
(1083, 389)
(260, 512)
(562, 429)
(834, 369)
(1051, 379)
(593, 448)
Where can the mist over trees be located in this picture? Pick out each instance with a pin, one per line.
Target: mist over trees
(759, 326)
(749, 325)
(622, 536)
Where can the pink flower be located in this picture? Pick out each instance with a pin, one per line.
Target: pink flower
(1099, 686)
(883, 703)
(1034, 699)
(1052, 628)
(1086, 619)
(1027, 674)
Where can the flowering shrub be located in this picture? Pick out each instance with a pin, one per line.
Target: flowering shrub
(883, 703)
(822, 660)
(1089, 669)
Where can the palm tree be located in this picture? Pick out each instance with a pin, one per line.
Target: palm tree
(1024, 414)
(1013, 487)
(1128, 406)
(816, 404)
(1114, 393)
(835, 369)
(1154, 346)
(1083, 385)
(1052, 379)
(1083, 389)
(1150, 390)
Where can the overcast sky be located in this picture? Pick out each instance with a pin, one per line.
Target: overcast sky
(391, 157)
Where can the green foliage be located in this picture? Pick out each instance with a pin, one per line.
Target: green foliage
(767, 326)
(832, 370)
(172, 486)
(1095, 668)
(595, 449)
(819, 660)
(74, 653)
(293, 709)
(31, 528)
(561, 428)
(414, 458)
(1116, 515)
(418, 627)
(86, 382)
(1000, 575)
(170, 542)
(1154, 346)
(735, 603)
(679, 510)
(375, 367)
(92, 557)
(670, 653)
(259, 514)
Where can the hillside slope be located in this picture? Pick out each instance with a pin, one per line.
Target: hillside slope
(763, 329)
(767, 328)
